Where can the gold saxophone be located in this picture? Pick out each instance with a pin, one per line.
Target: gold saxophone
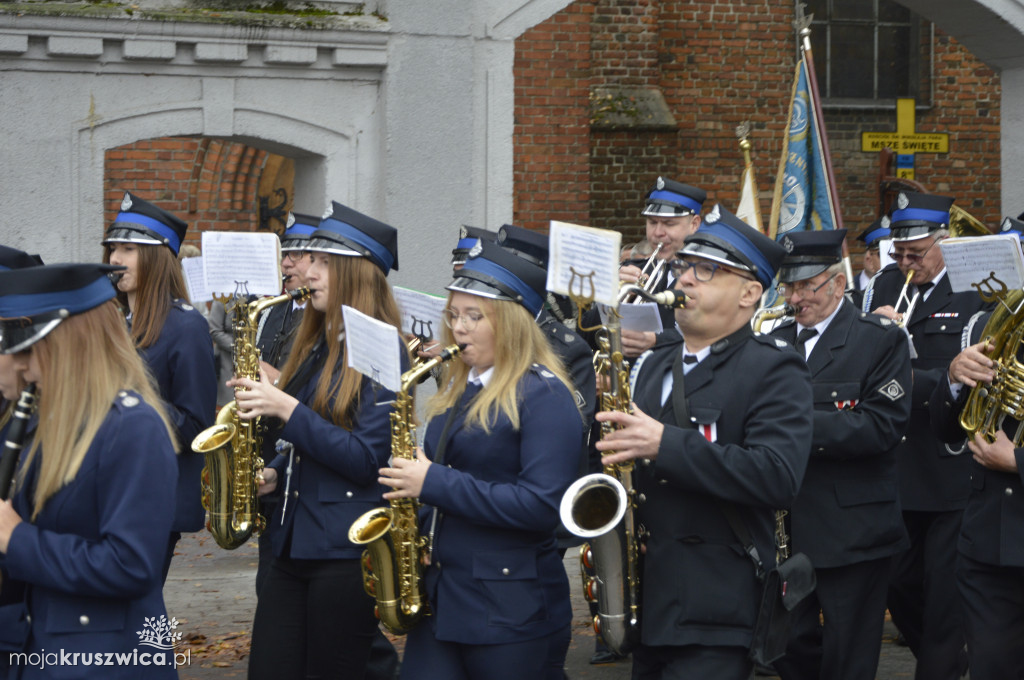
(232, 446)
(392, 569)
(989, 404)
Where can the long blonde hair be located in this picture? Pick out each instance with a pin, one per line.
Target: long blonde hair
(519, 343)
(85, 361)
(360, 284)
(160, 281)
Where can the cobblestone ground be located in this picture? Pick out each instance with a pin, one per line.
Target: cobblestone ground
(211, 593)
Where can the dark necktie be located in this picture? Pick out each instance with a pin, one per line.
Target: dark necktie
(689, 358)
(802, 338)
(924, 288)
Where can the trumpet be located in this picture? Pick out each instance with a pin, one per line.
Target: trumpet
(902, 318)
(651, 275)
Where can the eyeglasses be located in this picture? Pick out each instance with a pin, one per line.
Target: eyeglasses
(469, 319)
(802, 287)
(912, 258)
(296, 255)
(703, 270)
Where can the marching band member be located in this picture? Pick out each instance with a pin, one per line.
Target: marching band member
(274, 338)
(502, 446)
(740, 442)
(672, 212)
(313, 618)
(172, 336)
(280, 323)
(86, 530)
(846, 517)
(11, 382)
(935, 481)
(990, 547)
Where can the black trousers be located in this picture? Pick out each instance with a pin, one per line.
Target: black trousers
(847, 647)
(427, 658)
(923, 598)
(993, 602)
(690, 662)
(313, 620)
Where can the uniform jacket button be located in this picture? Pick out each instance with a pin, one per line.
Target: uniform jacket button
(84, 620)
(295, 494)
(298, 459)
(835, 394)
(1009, 491)
(926, 403)
(504, 571)
(903, 439)
(348, 494)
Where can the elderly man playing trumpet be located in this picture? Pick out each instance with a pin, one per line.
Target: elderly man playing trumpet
(934, 479)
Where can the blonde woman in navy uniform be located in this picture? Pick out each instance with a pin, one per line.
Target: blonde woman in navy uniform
(512, 434)
(172, 337)
(313, 618)
(85, 533)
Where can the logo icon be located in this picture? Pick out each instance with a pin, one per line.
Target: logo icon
(159, 633)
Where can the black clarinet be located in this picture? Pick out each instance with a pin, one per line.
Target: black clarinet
(16, 439)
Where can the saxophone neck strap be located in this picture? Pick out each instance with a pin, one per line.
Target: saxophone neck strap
(680, 407)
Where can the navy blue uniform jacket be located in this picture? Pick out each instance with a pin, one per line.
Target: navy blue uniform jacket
(752, 394)
(92, 561)
(334, 473)
(496, 576)
(992, 531)
(848, 507)
(181, 361)
(930, 478)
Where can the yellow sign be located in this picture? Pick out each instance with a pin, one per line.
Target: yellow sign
(904, 140)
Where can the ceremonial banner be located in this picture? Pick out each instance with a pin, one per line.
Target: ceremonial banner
(804, 197)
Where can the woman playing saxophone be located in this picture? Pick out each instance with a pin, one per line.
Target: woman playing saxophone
(313, 618)
(502, 445)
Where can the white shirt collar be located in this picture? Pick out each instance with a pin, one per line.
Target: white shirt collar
(483, 378)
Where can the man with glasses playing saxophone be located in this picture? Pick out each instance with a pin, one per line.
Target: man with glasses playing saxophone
(846, 517)
(934, 479)
(738, 445)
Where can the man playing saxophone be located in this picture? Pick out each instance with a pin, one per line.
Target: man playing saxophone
(846, 518)
(737, 434)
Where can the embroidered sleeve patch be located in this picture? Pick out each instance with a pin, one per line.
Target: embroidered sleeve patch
(892, 389)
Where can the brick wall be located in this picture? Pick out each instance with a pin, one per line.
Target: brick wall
(551, 143)
(718, 63)
(209, 183)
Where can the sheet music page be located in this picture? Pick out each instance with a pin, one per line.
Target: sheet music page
(642, 316)
(975, 261)
(373, 348)
(421, 312)
(195, 280)
(231, 258)
(593, 254)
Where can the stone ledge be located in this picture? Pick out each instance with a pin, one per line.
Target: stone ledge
(621, 107)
